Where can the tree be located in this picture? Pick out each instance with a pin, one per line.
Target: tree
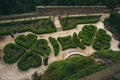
(36, 76)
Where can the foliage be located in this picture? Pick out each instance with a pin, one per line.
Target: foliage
(26, 41)
(30, 59)
(41, 47)
(12, 53)
(36, 76)
(102, 40)
(55, 45)
(113, 23)
(72, 22)
(108, 54)
(38, 26)
(71, 68)
(66, 42)
(87, 34)
(77, 41)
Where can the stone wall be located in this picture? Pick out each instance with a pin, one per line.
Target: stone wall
(68, 10)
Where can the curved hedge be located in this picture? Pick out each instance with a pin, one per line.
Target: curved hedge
(12, 53)
(29, 60)
(66, 42)
(101, 44)
(102, 34)
(55, 45)
(41, 47)
(26, 41)
(77, 41)
(90, 29)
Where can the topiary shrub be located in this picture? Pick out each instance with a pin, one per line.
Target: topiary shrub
(101, 44)
(66, 42)
(29, 60)
(55, 45)
(77, 41)
(41, 47)
(12, 53)
(26, 41)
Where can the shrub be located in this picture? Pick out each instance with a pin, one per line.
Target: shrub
(38, 26)
(72, 22)
(77, 41)
(26, 41)
(12, 53)
(108, 54)
(66, 42)
(55, 45)
(101, 44)
(103, 35)
(29, 60)
(41, 47)
(71, 68)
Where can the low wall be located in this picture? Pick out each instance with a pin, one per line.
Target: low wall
(68, 10)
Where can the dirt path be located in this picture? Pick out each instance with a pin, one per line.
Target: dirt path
(11, 71)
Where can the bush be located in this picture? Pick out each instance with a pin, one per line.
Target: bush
(77, 41)
(55, 45)
(26, 41)
(66, 42)
(108, 54)
(29, 60)
(113, 23)
(38, 26)
(41, 47)
(71, 68)
(103, 35)
(72, 22)
(101, 44)
(12, 53)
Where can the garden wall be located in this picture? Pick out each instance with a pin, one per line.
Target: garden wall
(68, 10)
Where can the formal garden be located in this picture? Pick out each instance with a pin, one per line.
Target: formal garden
(29, 50)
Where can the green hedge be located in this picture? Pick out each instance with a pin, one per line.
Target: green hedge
(71, 69)
(77, 41)
(26, 41)
(41, 47)
(66, 42)
(101, 44)
(12, 53)
(72, 22)
(108, 54)
(29, 60)
(38, 26)
(103, 35)
(55, 45)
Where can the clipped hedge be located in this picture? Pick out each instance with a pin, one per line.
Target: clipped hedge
(12, 53)
(41, 47)
(72, 22)
(66, 42)
(38, 26)
(26, 41)
(55, 45)
(77, 41)
(101, 44)
(29, 60)
(102, 34)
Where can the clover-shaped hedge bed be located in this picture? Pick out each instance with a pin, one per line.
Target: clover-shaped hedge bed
(25, 51)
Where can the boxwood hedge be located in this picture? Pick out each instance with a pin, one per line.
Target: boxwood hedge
(77, 41)
(41, 47)
(29, 60)
(66, 42)
(12, 53)
(26, 41)
(55, 45)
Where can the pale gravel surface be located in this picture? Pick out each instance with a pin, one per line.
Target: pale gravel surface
(11, 71)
